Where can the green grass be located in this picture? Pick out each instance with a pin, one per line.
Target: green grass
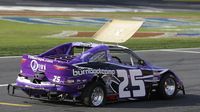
(20, 38)
(162, 43)
(35, 46)
(128, 15)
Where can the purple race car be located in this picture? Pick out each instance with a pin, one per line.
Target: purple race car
(93, 74)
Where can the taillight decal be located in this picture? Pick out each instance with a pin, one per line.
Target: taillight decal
(23, 60)
(58, 67)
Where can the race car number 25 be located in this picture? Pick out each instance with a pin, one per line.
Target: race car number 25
(56, 78)
(126, 84)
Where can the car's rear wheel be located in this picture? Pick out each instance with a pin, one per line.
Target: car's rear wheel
(168, 87)
(94, 95)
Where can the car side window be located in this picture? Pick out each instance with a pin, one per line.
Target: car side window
(98, 57)
(123, 57)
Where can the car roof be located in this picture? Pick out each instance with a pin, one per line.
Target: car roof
(91, 45)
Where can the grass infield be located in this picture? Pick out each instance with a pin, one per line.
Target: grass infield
(20, 38)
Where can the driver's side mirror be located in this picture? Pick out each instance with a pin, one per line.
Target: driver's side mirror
(141, 62)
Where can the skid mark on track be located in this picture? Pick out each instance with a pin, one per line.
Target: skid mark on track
(15, 104)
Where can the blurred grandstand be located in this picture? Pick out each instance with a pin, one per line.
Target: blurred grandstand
(164, 4)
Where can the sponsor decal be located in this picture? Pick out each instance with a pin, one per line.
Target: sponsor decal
(93, 71)
(35, 66)
(40, 59)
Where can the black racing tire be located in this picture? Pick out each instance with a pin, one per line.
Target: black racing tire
(89, 93)
(168, 87)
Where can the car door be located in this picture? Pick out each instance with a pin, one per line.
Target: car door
(128, 74)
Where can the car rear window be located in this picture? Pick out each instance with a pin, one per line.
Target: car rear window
(78, 50)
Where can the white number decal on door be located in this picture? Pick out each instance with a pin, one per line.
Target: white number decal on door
(140, 83)
(123, 93)
(123, 86)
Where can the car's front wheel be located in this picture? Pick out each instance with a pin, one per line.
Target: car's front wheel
(168, 87)
(94, 95)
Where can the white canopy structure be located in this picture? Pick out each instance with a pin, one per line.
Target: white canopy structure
(117, 31)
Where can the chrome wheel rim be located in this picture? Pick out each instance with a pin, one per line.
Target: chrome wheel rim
(97, 96)
(170, 86)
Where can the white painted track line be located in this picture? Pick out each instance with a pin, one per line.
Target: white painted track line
(7, 57)
(191, 52)
(178, 49)
(15, 104)
(3, 85)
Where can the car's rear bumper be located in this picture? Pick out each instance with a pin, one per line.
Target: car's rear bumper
(29, 87)
(25, 83)
(44, 94)
(42, 91)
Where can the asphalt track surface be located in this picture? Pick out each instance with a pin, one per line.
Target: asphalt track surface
(185, 62)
